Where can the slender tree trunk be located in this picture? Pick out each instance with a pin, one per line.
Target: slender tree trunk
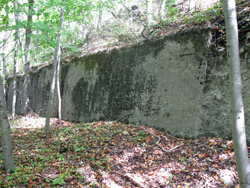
(55, 62)
(21, 44)
(237, 107)
(5, 134)
(26, 84)
(149, 5)
(14, 84)
(58, 92)
(17, 36)
(99, 15)
(4, 60)
(37, 38)
(190, 5)
(162, 10)
(37, 46)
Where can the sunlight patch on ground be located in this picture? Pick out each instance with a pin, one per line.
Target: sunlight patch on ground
(30, 121)
(88, 175)
(108, 181)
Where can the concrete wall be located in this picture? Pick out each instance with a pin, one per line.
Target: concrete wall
(177, 84)
(215, 111)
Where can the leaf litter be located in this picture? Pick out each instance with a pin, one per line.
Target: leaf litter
(113, 154)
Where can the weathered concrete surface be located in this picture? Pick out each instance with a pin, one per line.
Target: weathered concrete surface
(175, 84)
(215, 114)
(159, 83)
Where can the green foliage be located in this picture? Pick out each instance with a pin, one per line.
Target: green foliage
(141, 136)
(142, 133)
(171, 8)
(58, 181)
(183, 160)
(79, 148)
(47, 20)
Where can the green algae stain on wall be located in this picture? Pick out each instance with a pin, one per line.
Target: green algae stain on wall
(127, 83)
(118, 86)
(80, 97)
(63, 72)
(100, 61)
(93, 78)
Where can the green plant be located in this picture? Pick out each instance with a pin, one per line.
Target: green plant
(142, 133)
(79, 148)
(92, 159)
(58, 181)
(171, 177)
(92, 184)
(61, 158)
(183, 160)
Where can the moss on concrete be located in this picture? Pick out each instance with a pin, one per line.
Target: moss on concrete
(198, 37)
(80, 98)
(64, 71)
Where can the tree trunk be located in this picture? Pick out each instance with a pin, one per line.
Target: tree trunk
(17, 36)
(37, 46)
(191, 5)
(37, 38)
(26, 84)
(14, 83)
(5, 134)
(162, 12)
(4, 60)
(99, 19)
(58, 92)
(149, 11)
(237, 107)
(55, 62)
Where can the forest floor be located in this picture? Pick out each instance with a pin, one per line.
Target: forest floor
(112, 154)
